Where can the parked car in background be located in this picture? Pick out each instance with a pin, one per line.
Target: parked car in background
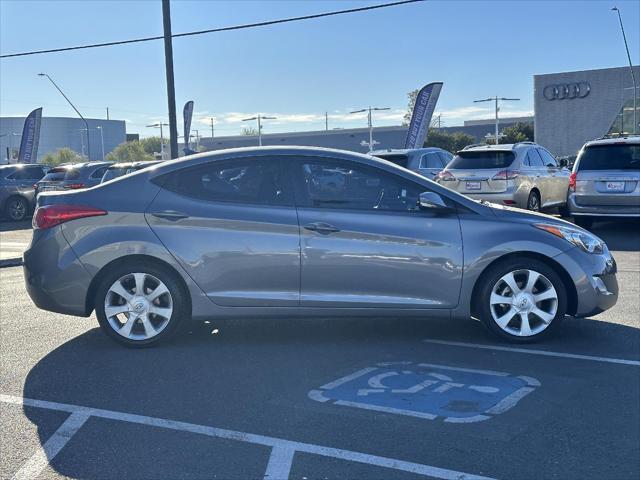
(522, 175)
(17, 197)
(72, 177)
(250, 232)
(425, 161)
(119, 169)
(605, 181)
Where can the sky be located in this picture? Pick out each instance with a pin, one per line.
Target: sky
(298, 71)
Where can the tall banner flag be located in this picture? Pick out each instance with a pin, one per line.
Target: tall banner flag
(422, 113)
(30, 137)
(187, 115)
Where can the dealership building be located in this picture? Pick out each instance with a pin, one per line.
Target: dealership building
(60, 132)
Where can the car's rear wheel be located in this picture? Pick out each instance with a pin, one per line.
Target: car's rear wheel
(533, 202)
(522, 300)
(584, 222)
(16, 208)
(141, 304)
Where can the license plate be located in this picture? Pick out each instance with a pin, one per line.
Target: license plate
(473, 185)
(615, 186)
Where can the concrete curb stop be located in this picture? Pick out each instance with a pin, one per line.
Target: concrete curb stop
(10, 262)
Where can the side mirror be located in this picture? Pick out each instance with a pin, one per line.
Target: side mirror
(432, 202)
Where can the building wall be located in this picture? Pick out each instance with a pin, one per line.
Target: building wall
(564, 125)
(59, 132)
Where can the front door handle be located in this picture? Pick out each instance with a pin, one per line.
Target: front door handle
(321, 227)
(170, 215)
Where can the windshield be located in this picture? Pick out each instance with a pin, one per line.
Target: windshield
(610, 157)
(112, 173)
(482, 159)
(397, 158)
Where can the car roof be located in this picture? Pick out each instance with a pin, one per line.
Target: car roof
(21, 165)
(500, 147)
(405, 151)
(122, 165)
(626, 140)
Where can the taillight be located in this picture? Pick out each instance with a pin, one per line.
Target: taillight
(445, 176)
(572, 181)
(74, 186)
(51, 215)
(506, 175)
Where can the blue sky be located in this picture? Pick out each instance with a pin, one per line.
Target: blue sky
(298, 71)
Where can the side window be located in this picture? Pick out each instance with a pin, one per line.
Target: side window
(27, 173)
(534, 158)
(430, 160)
(99, 172)
(352, 186)
(548, 159)
(260, 181)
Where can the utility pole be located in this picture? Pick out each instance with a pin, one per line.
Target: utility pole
(211, 127)
(370, 111)
(633, 78)
(101, 141)
(259, 118)
(156, 125)
(171, 90)
(107, 113)
(326, 121)
(496, 99)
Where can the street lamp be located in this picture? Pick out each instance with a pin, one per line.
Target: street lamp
(633, 77)
(496, 99)
(10, 135)
(160, 125)
(74, 107)
(259, 118)
(101, 141)
(371, 141)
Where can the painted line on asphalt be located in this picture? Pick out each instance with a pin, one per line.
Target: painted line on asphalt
(546, 353)
(280, 463)
(278, 445)
(39, 461)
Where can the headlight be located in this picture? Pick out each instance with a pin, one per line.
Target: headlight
(585, 240)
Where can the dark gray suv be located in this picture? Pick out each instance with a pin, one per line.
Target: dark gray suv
(17, 189)
(72, 177)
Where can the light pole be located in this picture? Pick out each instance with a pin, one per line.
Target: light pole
(101, 141)
(371, 142)
(160, 125)
(496, 99)
(86, 125)
(259, 118)
(82, 141)
(10, 135)
(633, 76)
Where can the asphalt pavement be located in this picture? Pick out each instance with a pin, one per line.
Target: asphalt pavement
(315, 399)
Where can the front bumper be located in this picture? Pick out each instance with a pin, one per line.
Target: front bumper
(594, 277)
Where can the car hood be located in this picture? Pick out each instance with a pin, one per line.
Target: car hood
(525, 216)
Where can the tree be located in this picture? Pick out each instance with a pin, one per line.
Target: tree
(63, 155)
(412, 102)
(249, 131)
(129, 152)
(151, 145)
(518, 132)
(451, 142)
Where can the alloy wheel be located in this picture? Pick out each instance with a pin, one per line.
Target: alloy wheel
(17, 209)
(533, 204)
(138, 306)
(523, 303)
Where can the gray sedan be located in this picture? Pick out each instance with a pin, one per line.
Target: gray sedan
(260, 232)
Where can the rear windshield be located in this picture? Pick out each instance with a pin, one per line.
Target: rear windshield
(610, 157)
(61, 173)
(112, 173)
(483, 159)
(398, 159)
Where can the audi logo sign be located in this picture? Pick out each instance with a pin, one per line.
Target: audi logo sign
(564, 91)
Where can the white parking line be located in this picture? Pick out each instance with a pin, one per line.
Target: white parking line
(282, 453)
(38, 462)
(280, 463)
(545, 353)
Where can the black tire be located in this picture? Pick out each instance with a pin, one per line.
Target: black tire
(493, 275)
(533, 202)
(16, 208)
(564, 211)
(584, 222)
(178, 293)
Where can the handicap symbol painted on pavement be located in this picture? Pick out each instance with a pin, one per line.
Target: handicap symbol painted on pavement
(428, 391)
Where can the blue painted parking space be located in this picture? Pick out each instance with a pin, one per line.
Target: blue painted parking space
(428, 391)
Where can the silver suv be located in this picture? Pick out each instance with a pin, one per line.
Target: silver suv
(605, 181)
(428, 162)
(522, 175)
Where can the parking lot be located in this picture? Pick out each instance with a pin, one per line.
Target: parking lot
(316, 399)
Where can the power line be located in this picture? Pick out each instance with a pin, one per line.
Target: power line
(214, 30)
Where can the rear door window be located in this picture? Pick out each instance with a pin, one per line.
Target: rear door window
(610, 157)
(27, 173)
(485, 159)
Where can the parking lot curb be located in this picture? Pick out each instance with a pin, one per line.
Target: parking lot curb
(10, 262)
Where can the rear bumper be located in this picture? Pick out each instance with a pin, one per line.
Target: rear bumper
(54, 277)
(629, 211)
(510, 197)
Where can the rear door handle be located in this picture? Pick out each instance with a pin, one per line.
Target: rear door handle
(170, 215)
(321, 227)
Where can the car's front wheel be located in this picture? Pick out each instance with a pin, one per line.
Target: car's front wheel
(141, 304)
(522, 300)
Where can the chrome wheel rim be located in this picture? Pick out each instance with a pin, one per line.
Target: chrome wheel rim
(17, 210)
(523, 303)
(534, 205)
(138, 306)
